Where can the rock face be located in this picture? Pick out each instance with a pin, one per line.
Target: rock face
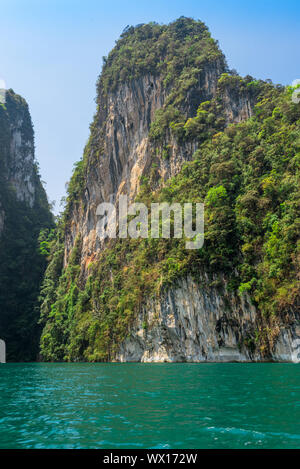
(21, 163)
(18, 172)
(24, 211)
(193, 323)
(17, 152)
(127, 153)
(189, 321)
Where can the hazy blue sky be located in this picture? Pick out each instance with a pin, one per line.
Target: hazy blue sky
(51, 53)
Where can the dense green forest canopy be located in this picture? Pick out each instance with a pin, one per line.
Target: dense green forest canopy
(176, 51)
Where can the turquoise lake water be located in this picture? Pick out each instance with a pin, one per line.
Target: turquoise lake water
(150, 406)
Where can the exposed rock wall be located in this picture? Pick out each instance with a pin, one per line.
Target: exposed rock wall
(238, 105)
(196, 323)
(126, 154)
(18, 171)
(21, 169)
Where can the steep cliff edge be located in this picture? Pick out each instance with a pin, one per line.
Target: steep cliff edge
(24, 211)
(174, 124)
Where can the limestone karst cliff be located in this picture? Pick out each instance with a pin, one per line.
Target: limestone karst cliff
(174, 124)
(24, 211)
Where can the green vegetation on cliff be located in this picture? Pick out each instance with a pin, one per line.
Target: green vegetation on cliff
(22, 264)
(177, 52)
(247, 174)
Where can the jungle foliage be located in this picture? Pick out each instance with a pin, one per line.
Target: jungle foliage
(22, 264)
(247, 175)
